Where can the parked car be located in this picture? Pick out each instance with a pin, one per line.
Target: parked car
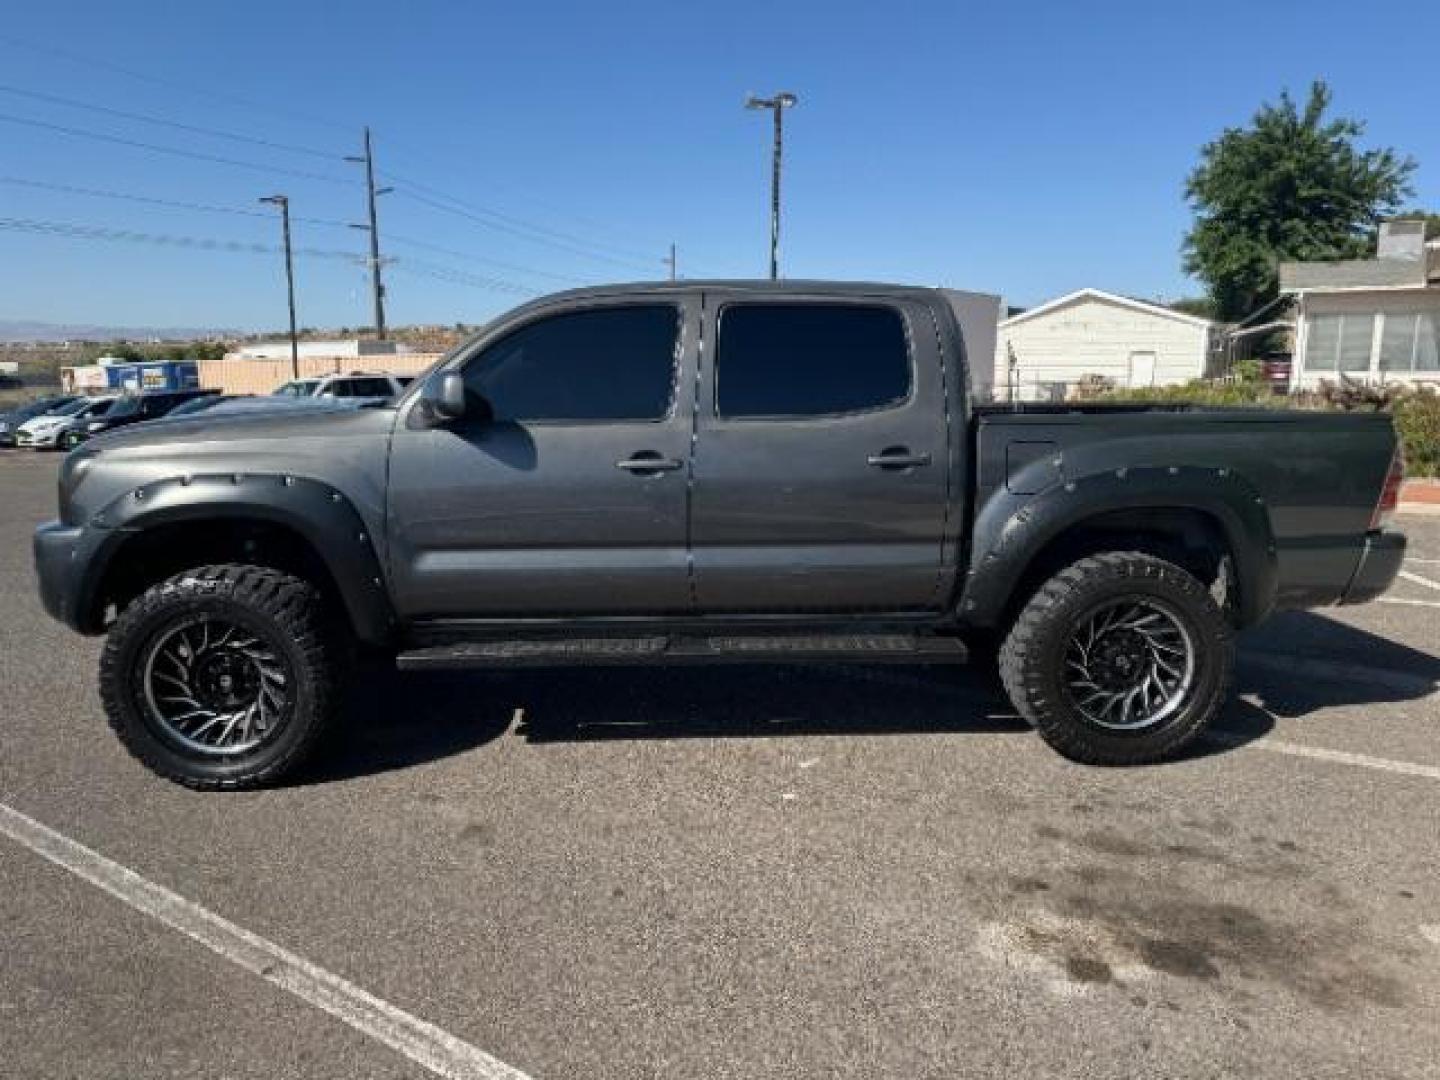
(357, 384)
(580, 484)
(205, 403)
(132, 409)
(48, 430)
(11, 421)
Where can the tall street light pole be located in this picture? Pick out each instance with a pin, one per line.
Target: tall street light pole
(777, 105)
(376, 285)
(283, 202)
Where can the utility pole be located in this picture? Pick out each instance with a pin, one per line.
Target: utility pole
(670, 262)
(283, 201)
(777, 105)
(377, 286)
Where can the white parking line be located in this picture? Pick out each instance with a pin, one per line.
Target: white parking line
(422, 1042)
(1423, 562)
(1411, 603)
(1409, 575)
(1319, 753)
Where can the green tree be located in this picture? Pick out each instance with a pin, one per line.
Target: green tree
(1201, 307)
(1293, 185)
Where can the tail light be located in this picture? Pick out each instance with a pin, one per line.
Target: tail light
(1390, 492)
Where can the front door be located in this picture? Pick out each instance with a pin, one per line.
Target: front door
(1142, 369)
(563, 491)
(823, 458)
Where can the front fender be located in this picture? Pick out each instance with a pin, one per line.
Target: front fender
(319, 513)
(1012, 529)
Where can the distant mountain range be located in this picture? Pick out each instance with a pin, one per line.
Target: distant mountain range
(26, 330)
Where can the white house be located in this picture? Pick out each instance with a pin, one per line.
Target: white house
(1041, 353)
(1373, 320)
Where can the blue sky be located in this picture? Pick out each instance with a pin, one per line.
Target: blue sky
(1021, 148)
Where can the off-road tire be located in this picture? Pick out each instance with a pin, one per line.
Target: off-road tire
(1032, 658)
(287, 612)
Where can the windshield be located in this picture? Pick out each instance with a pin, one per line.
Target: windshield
(298, 388)
(195, 405)
(126, 406)
(100, 408)
(70, 408)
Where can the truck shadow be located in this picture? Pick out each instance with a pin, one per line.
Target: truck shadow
(1293, 666)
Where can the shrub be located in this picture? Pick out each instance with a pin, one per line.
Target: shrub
(1417, 419)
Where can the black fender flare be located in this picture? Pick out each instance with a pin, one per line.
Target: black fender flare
(320, 514)
(1011, 530)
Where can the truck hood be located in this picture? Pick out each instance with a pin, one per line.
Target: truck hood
(337, 444)
(301, 419)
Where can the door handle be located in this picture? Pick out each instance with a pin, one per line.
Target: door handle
(648, 461)
(897, 457)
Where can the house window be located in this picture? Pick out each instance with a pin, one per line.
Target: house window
(1340, 343)
(1410, 341)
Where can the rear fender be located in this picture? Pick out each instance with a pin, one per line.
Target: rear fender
(1011, 530)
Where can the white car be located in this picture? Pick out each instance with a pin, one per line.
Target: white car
(46, 432)
(357, 384)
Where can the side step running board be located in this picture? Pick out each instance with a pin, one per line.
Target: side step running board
(684, 649)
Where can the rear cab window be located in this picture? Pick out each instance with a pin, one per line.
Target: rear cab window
(799, 360)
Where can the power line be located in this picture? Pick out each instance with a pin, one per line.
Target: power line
(175, 151)
(503, 226)
(239, 211)
(149, 200)
(76, 231)
(640, 258)
(175, 124)
(91, 61)
(461, 277)
(425, 245)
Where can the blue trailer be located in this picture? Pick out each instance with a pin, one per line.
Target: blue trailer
(158, 375)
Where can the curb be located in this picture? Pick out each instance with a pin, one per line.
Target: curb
(1420, 496)
(1425, 492)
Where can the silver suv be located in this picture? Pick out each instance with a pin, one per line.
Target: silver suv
(357, 384)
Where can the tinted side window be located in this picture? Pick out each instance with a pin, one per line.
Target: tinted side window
(373, 387)
(810, 359)
(602, 364)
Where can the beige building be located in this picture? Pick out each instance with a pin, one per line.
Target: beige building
(1041, 353)
(1372, 320)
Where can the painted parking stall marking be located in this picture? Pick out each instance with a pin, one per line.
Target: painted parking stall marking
(1410, 575)
(422, 1042)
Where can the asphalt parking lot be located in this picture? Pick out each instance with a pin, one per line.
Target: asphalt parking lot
(733, 872)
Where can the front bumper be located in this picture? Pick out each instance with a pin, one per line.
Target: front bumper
(58, 565)
(1380, 562)
(41, 440)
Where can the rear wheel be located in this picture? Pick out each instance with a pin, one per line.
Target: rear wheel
(1119, 659)
(222, 676)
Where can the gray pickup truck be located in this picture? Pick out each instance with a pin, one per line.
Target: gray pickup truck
(697, 472)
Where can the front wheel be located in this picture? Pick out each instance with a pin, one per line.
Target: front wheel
(1119, 659)
(222, 676)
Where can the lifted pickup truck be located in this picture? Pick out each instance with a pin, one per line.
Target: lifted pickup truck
(698, 472)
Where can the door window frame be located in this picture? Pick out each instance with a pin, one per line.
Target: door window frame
(685, 334)
(716, 302)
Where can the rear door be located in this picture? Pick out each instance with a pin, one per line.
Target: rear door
(822, 456)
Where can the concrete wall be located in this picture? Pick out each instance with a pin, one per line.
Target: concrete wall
(263, 376)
